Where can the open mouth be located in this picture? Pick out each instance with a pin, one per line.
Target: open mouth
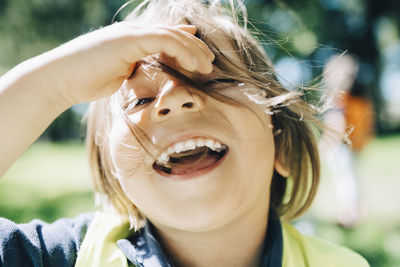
(190, 157)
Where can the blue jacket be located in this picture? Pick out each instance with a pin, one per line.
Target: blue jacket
(40, 244)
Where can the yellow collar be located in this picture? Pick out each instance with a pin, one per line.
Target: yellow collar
(99, 247)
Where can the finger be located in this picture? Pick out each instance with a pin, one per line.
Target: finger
(195, 46)
(203, 46)
(168, 40)
(187, 28)
(198, 48)
(191, 29)
(170, 45)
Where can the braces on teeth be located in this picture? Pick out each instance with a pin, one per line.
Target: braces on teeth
(190, 144)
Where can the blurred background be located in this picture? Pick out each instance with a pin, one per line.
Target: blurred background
(348, 49)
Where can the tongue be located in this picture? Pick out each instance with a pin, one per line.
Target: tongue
(192, 164)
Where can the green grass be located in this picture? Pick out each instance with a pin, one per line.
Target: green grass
(48, 182)
(378, 172)
(377, 236)
(51, 181)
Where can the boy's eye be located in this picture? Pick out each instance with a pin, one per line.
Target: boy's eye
(138, 102)
(142, 101)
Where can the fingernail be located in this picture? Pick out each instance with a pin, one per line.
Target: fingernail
(211, 57)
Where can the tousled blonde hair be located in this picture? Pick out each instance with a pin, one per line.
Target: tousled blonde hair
(294, 121)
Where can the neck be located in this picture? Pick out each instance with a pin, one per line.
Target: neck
(238, 243)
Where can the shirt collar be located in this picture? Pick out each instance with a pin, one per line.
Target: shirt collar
(273, 242)
(143, 250)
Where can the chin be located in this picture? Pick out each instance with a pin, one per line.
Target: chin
(197, 219)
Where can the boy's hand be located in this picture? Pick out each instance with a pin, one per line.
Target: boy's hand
(94, 65)
(87, 68)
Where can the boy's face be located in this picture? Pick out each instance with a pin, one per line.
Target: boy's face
(198, 193)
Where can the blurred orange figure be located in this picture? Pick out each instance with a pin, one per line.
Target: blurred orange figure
(359, 115)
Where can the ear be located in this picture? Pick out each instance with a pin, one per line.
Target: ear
(281, 169)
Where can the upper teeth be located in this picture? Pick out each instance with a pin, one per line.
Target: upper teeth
(189, 145)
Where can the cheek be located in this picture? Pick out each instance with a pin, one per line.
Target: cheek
(141, 118)
(126, 154)
(256, 150)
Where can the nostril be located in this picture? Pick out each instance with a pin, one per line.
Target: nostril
(164, 111)
(188, 105)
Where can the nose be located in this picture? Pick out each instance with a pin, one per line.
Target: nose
(175, 99)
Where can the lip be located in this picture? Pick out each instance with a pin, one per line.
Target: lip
(194, 174)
